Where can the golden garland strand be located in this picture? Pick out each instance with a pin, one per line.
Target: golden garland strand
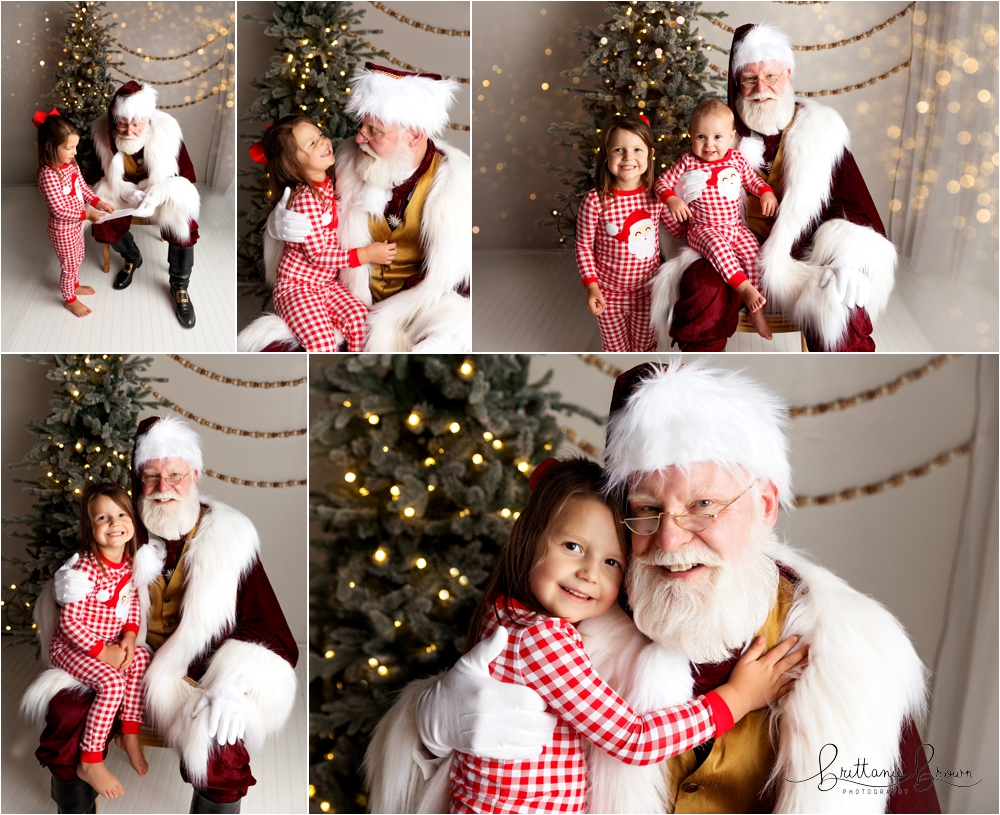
(459, 127)
(583, 444)
(838, 43)
(451, 32)
(857, 87)
(240, 382)
(405, 65)
(245, 483)
(211, 38)
(232, 431)
(894, 481)
(117, 67)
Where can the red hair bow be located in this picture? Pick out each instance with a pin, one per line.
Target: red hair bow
(540, 470)
(40, 116)
(643, 118)
(257, 150)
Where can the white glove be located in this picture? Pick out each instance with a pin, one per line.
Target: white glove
(133, 197)
(71, 585)
(147, 206)
(851, 286)
(227, 720)
(690, 185)
(287, 225)
(469, 711)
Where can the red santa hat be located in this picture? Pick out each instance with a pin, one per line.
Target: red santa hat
(755, 42)
(133, 100)
(622, 233)
(416, 101)
(165, 437)
(665, 415)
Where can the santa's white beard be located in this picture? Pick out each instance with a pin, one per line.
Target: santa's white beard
(769, 119)
(704, 620)
(132, 146)
(171, 520)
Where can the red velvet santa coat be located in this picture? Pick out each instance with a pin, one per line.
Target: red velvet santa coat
(862, 690)
(169, 181)
(231, 630)
(826, 216)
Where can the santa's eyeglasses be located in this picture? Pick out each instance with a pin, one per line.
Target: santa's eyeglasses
(375, 134)
(171, 480)
(770, 80)
(648, 524)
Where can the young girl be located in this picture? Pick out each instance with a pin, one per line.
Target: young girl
(64, 190)
(617, 246)
(95, 639)
(564, 563)
(308, 295)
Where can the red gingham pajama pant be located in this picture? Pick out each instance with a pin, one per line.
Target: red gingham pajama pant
(312, 312)
(625, 322)
(114, 690)
(730, 248)
(68, 244)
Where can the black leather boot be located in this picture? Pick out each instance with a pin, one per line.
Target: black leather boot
(133, 260)
(180, 260)
(199, 803)
(74, 796)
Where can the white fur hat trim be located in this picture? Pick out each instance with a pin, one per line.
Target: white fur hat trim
(690, 414)
(762, 43)
(419, 103)
(139, 105)
(168, 438)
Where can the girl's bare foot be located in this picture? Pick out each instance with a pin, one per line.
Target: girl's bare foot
(77, 308)
(757, 318)
(101, 779)
(85, 290)
(130, 744)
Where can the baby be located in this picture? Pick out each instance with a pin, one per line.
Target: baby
(716, 228)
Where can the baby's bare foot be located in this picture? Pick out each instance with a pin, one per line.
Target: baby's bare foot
(85, 290)
(130, 744)
(101, 779)
(77, 308)
(760, 323)
(754, 299)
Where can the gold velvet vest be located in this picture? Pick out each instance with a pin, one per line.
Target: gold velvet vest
(758, 224)
(741, 760)
(387, 280)
(165, 599)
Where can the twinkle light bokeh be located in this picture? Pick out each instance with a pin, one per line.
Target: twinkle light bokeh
(30, 57)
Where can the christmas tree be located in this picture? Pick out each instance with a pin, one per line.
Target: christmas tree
(433, 456)
(651, 61)
(319, 49)
(83, 89)
(86, 438)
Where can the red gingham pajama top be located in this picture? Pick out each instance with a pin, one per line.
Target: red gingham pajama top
(619, 249)
(85, 627)
(547, 655)
(65, 192)
(715, 228)
(308, 296)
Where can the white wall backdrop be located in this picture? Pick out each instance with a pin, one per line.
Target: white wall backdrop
(908, 547)
(280, 514)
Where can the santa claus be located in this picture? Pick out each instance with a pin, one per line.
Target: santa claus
(222, 675)
(699, 599)
(145, 166)
(825, 260)
(396, 183)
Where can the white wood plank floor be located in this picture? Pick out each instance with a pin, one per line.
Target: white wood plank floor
(139, 319)
(533, 301)
(281, 767)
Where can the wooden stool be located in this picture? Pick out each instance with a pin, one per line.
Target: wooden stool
(107, 247)
(778, 323)
(148, 737)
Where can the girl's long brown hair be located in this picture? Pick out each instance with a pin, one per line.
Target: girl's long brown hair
(121, 498)
(604, 182)
(281, 151)
(511, 578)
(52, 134)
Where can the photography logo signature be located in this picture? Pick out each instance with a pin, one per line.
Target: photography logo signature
(862, 775)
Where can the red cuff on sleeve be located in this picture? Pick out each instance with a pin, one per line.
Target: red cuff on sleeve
(737, 279)
(130, 627)
(83, 215)
(131, 728)
(722, 716)
(764, 189)
(72, 299)
(352, 258)
(91, 756)
(95, 202)
(97, 647)
(588, 280)
(667, 195)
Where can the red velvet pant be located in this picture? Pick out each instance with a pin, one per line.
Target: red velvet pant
(707, 311)
(114, 230)
(229, 774)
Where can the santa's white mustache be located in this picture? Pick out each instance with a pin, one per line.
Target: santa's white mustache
(689, 553)
(759, 97)
(162, 496)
